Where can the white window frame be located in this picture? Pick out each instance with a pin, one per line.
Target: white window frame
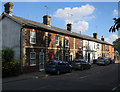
(67, 54)
(31, 37)
(57, 40)
(57, 56)
(80, 44)
(66, 39)
(32, 58)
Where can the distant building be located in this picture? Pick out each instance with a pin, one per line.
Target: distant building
(36, 43)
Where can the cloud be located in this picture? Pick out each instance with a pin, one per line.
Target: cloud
(78, 16)
(115, 12)
(80, 26)
(111, 38)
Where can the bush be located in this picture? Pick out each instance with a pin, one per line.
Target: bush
(10, 67)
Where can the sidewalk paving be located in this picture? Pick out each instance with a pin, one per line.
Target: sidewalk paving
(24, 76)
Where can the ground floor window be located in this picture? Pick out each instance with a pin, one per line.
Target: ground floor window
(66, 56)
(57, 56)
(32, 58)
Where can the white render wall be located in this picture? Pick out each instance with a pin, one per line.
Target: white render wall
(92, 47)
(11, 36)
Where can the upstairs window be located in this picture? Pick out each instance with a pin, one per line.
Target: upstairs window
(32, 58)
(57, 40)
(80, 44)
(97, 46)
(66, 42)
(33, 37)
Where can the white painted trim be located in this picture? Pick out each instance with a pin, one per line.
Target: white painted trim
(32, 37)
(32, 58)
(41, 53)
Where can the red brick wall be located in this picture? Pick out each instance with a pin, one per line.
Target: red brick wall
(40, 38)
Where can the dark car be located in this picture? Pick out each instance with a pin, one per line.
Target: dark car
(112, 61)
(57, 66)
(103, 61)
(81, 64)
(94, 61)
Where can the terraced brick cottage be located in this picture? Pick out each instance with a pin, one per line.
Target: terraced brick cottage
(36, 43)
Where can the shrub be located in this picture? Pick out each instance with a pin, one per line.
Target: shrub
(10, 67)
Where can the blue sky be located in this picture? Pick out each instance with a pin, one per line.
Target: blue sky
(88, 17)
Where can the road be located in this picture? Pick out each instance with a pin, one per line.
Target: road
(96, 78)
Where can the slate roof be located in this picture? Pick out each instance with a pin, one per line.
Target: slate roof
(26, 22)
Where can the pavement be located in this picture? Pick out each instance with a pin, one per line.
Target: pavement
(26, 76)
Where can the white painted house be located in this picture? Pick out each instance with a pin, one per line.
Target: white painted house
(91, 49)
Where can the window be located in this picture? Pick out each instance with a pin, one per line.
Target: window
(32, 58)
(66, 56)
(86, 45)
(97, 46)
(57, 56)
(80, 44)
(66, 42)
(33, 37)
(57, 40)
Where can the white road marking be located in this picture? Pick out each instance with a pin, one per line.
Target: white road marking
(83, 77)
(114, 88)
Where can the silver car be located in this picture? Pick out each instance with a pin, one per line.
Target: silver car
(103, 61)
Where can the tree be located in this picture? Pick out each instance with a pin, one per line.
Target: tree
(116, 25)
(116, 45)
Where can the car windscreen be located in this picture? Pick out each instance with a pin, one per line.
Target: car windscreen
(51, 63)
(100, 58)
(79, 61)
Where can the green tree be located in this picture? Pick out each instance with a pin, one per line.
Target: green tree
(116, 25)
(116, 45)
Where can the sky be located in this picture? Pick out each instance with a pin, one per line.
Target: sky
(86, 17)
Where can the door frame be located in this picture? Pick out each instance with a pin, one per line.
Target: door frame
(41, 53)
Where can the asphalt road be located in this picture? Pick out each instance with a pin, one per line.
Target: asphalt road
(96, 78)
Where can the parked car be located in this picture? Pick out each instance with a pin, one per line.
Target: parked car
(95, 61)
(57, 66)
(81, 64)
(103, 61)
(112, 61)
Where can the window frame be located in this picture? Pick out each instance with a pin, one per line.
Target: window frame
(66, 39)
(32, 37)
(80, 44)
(57, 40)
(32, 59)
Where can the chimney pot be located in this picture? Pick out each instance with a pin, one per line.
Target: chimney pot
(95, 35)
(47, 20)
(102, 38)
(69, 27)
(8, 8)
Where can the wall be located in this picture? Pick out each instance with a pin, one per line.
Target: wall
(11, 36)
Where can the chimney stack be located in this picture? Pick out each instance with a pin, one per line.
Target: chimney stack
(47, 20)
(69, 27)
(102, 38)
(95, 35)
(9, 8)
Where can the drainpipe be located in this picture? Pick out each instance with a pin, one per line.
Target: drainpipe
(20, 47)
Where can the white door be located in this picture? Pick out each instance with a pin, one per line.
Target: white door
(41, 61)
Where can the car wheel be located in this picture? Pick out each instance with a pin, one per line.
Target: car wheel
(70, 70)
(81, 68)
(58, 72)
(46, 72)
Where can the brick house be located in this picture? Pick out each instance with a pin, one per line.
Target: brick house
(36, 43)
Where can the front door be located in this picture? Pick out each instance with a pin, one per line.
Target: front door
(41, 61)
(88, 57)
